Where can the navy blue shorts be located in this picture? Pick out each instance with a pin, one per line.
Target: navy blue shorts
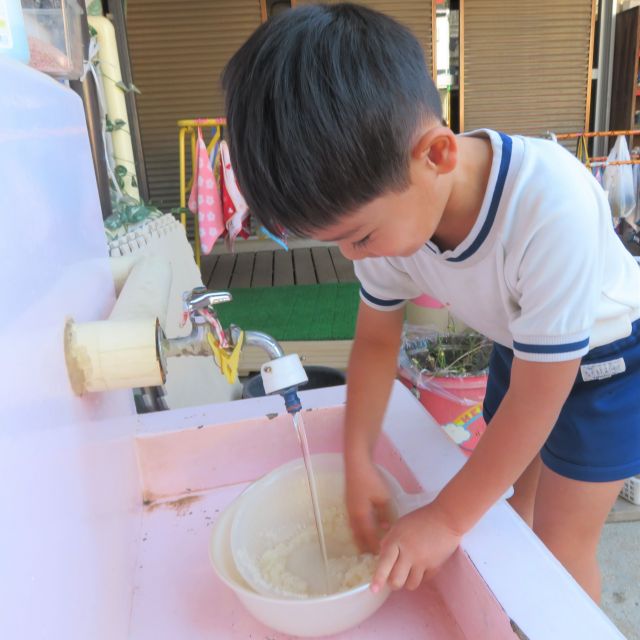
(597, 435)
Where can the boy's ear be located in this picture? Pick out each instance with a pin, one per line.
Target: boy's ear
(437, 147)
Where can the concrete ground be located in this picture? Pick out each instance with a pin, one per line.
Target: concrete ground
(619, 556)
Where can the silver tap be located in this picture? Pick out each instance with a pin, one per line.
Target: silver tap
(196, 344)
(200, 298)
(285, 373)
(258, 339)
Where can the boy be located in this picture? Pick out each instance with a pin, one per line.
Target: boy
(335, 132)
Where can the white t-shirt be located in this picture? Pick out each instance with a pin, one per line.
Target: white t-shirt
(542, 270)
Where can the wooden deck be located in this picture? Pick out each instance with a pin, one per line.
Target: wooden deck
(312, 265)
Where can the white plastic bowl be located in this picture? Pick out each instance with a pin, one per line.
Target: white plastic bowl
(277, 507)
(307, 617)
(310, 617)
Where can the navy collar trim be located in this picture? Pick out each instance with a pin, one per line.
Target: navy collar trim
(379, 301)
(505, 161)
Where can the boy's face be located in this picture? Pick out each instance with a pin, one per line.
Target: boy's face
(397, 223)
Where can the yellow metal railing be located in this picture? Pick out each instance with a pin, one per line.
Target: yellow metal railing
(190, 128)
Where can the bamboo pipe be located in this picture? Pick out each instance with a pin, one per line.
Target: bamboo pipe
(116, 101)
(113, 354)
(123, 351)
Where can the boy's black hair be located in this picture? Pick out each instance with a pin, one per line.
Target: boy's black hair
(323, 103)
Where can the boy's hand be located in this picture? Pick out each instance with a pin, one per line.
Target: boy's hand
(415, 547)
(368, 503)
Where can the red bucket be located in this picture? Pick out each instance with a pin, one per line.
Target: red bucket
(459, 395)
(460, 411)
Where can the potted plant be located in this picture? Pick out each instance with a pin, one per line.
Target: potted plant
(446, 370)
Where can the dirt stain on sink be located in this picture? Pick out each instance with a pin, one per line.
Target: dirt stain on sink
(180, 505)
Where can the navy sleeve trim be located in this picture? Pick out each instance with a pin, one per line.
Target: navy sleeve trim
(379, 301)
(551, 348)
(505, 160)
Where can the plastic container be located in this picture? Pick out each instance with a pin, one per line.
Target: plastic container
(278, 506)
(631, 490)
(309, 617)
(319, 377)
(13, 37)
(54, 33)
(270, 502)
(312, 617)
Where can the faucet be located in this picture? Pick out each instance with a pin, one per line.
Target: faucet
(132, 351)
(199, 306)
(258, 339)
(282, 374)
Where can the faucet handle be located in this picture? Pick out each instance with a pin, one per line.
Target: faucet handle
(201, 298)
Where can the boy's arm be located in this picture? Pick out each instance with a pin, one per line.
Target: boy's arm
(420, 542)
(527, 414)
(371, 372)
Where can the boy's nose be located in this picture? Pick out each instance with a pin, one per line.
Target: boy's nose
(349, 252)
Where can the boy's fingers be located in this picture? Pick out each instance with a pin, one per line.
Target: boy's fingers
(384, 514)
(364, 531)
(399, 574)
(387, 560)
(415, 578)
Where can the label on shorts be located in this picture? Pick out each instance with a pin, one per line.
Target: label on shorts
(602, 370)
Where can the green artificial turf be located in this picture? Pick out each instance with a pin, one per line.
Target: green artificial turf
(299, 312)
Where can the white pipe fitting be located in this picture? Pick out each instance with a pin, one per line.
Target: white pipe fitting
(283, 373)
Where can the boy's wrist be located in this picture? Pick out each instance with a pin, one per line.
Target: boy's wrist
(357, 450)
(359, 441)
(452, 515)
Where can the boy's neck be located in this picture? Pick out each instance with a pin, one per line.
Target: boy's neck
(470, 179)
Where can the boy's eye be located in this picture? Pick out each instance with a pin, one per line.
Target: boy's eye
(359, 244)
